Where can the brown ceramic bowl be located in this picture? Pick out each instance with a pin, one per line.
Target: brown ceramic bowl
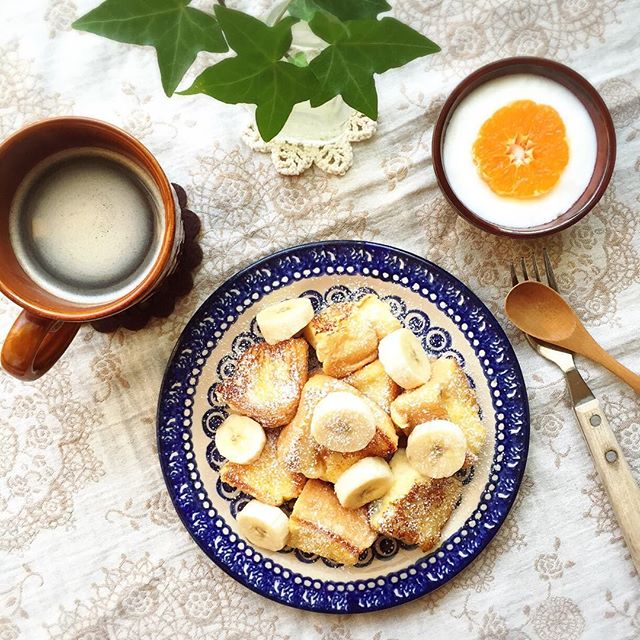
(593, 103)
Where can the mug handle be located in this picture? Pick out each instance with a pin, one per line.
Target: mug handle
(34, 344)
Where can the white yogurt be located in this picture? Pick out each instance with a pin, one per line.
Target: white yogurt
(462, 132)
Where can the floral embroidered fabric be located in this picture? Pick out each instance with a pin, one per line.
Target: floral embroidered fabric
(90, 545)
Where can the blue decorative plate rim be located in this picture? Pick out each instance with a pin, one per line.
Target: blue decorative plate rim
(263, 575)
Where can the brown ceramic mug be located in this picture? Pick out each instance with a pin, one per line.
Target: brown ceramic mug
(50, 319)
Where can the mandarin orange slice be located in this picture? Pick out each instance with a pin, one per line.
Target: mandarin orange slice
(521, 150)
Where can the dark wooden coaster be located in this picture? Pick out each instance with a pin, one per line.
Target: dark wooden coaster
(163, 301)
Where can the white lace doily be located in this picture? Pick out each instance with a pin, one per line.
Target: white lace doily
(334, 157)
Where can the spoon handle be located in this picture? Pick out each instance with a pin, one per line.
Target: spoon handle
(626, 375)
(614, 472)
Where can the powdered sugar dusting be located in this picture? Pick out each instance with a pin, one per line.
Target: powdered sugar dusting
(270, 384)
(268, 381)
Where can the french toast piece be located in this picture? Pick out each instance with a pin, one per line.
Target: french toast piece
(416, 508)
(326, 322)
(267, 382)
(378, 313)
(424, 403)
(448, 396)
(299, 451)
(265, 479)
(461, 405)
(320, 524)
(373, 381)
(345, 335)
(343, 344)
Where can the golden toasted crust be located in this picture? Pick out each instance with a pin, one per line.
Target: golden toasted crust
(342, 341)
(421, 515)
(327, 321)
(461, 405)
(320, 524)
(267, 382)
(300, 453)
(266, 479)
(448, 396)
(416, 508)
(378, 313)
(424, 403)
(375, 384)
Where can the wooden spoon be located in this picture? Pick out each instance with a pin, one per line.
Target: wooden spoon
(541, 312)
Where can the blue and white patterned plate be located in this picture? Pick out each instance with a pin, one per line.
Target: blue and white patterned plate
(449, 319)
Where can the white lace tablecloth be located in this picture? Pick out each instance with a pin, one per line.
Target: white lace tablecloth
(90, 546)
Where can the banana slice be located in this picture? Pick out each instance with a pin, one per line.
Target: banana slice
(404, 359)
(365, 481)
(283, 320)
(437, 448)
(343, 422)
(263, 525)
(240, 439)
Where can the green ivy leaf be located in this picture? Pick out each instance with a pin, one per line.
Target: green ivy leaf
(303, 9)
(359, 49)
(257, 75)
(343, 9)
(178, 32)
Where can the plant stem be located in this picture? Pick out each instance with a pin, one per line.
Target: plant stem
(287, 55)
(281, 14)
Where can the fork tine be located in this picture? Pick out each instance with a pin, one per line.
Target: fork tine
(551, 278)
(523, 264)
(536, 271)
(514, 274)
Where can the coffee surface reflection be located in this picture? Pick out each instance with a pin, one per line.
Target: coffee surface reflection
(85, 225)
